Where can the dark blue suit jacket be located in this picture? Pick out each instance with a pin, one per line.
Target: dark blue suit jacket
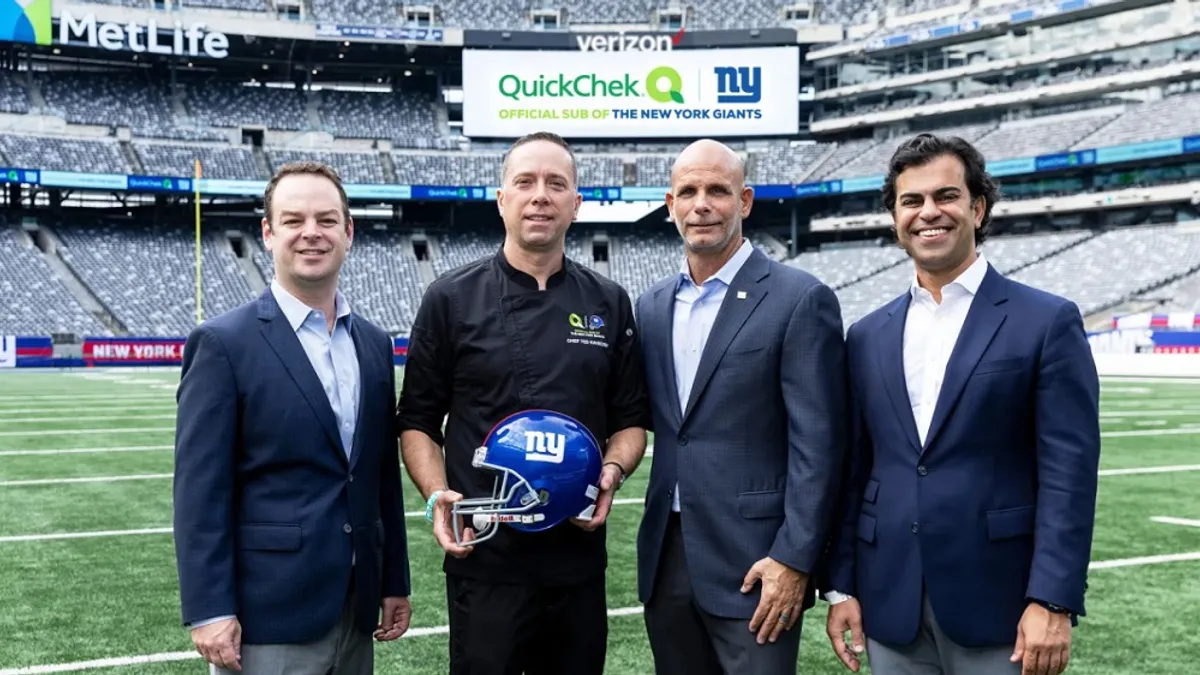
(268, 509)
(758, 449)
(998, 506)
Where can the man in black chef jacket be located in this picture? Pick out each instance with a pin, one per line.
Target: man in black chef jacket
(492, 338)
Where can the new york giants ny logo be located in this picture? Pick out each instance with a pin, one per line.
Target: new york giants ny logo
(544, 447)
(742, 84)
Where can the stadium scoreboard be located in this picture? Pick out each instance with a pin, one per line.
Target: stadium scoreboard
(679, 93)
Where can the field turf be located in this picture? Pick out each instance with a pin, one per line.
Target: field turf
(89, 453)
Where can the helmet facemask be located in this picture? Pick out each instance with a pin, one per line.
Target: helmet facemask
(487, 513)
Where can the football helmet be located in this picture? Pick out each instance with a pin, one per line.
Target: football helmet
(547, 468)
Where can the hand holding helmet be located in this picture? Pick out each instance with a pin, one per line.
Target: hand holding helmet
(547, 471)
(440, 511)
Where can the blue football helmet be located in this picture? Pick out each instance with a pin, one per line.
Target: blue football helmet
(547, 468)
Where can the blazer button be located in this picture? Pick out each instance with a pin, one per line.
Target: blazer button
(348, 529)
(683, 439)
(351, 478)
(916, 527)
(922, 470)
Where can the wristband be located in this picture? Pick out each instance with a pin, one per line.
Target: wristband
(623, 474)
(429, 505)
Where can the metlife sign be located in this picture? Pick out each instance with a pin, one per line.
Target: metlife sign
(30, 21)
(676, 93)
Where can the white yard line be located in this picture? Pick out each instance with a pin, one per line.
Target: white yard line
(70, 412)
(1173, 412)
(1168, 520)
(84, 479)
(1149, 432)
(82, 535)
(94, 432)
(4, 419)
(85, 451)
(1143, 560)
(1150, 469)
(168, 530)
(167, 657)
(442, 630)
(96, 397)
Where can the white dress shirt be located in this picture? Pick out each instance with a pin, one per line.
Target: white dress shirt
(696, 309)
(332, 356)
(930, 333)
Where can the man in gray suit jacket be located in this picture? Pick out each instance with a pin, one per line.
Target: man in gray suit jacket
(745, 363)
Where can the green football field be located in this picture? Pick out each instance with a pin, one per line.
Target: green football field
(87, 573)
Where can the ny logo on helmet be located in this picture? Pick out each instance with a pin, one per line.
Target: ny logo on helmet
(541, 446)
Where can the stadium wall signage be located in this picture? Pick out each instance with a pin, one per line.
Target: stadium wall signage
(30, 21)
(1026, 166)
(623, 42)
(192, 41)
(37, 351)
(685, 93)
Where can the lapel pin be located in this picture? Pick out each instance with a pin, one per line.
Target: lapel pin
(741, 295)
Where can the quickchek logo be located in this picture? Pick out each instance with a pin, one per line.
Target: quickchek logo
(26, 21)
(665, 75)
(663, 84)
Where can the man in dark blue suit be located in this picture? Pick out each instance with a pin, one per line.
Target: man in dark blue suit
(965, 531)
(289, 526)
(746, 373)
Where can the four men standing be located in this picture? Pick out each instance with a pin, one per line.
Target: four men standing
(932, 475)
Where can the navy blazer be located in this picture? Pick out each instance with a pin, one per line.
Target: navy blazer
(758, 449)
(268, 508)
(997, 507)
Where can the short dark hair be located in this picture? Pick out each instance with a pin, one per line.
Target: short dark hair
(924, 148)
(310, 169)
(541, 136)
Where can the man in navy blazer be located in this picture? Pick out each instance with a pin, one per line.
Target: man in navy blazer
(289, 526)
(745, 366)
(965, 530)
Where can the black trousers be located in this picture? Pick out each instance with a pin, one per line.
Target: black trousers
(502, 629)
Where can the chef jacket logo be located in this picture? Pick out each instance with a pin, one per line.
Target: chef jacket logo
(586, 329)
(589, 323)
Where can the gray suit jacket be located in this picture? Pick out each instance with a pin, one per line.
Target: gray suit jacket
(758, 451)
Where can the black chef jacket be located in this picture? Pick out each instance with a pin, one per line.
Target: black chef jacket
(487, 343)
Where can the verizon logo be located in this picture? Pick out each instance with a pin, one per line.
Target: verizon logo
(624, 42)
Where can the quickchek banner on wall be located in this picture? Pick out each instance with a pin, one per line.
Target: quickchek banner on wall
(687, 93)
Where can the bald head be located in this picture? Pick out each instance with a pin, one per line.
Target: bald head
(709, 198)
(713, 156)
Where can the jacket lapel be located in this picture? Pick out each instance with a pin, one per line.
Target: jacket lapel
(891, 365)
(664, 340)
(287, 347)
(983, 320)
(741, 298)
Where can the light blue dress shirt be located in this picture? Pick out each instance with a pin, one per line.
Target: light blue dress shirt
(333, 357)
(696, 309)
(335, 361)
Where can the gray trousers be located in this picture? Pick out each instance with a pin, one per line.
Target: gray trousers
(686, 640)
(342, 651)
(932, 653)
